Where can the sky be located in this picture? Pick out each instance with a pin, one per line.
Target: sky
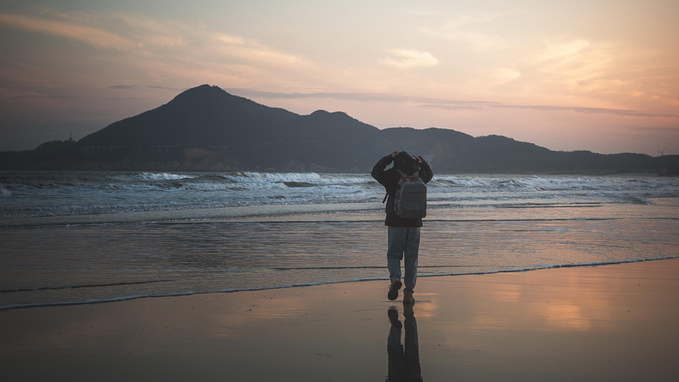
(567, 75)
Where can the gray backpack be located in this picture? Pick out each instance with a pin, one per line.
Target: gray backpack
(411, 197)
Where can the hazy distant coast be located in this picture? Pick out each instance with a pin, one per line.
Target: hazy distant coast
(208, 129)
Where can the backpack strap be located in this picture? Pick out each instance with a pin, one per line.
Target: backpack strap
(403, 175)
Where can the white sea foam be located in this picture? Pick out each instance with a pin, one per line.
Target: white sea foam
(45, 194)
(152, 176)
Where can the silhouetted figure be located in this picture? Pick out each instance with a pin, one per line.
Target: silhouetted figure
(403, 234)
(404, 364)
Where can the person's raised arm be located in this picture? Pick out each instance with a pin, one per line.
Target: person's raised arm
(425, 171)
(378, 170)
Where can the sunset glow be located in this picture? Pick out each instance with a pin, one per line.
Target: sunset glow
(578, 75)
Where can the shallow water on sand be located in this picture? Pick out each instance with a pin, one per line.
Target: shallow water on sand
(473, 226)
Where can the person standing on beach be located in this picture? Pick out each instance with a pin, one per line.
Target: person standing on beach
(403, 234)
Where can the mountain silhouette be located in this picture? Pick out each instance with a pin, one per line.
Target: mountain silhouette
(207, 129)
(253, 136)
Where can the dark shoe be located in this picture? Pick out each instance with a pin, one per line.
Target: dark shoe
(408, 298)
(393, 289)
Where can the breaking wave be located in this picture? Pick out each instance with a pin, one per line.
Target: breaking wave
(45, 194)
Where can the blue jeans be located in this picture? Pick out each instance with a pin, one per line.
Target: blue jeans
(403, 242)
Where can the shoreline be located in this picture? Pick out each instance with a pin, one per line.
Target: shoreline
(576, 323)
(293, 286)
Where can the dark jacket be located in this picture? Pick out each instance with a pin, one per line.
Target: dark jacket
(389, 179)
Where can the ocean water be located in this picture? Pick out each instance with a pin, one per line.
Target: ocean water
(85, 237)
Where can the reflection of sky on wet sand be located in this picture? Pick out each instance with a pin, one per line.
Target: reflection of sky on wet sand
(579, 299)
(578, 323)
(427, 304)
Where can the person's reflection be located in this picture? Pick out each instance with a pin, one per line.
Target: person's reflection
(404, 366)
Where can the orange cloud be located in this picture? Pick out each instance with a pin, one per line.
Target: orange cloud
(89, 35)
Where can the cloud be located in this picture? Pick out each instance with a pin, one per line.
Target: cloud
(409, 58)
(169, 50)
(446, 103)
(252, 51)
(92, 36)
(561, 50)
(202, 49)
(471, 30)
(227, 39)
(153, 32)
(502, 75)
(357, 96)
(657, 130)
(156, 87)
(179, 48)
(577, 109)
(38, 96)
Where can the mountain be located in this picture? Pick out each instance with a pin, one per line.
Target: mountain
(202, 115)
(246, 135)
(206, 128)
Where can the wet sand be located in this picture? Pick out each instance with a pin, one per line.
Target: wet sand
(613, 322)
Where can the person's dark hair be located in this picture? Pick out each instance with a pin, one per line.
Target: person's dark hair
(406, 163)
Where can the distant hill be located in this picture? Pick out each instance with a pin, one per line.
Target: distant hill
(208, 129)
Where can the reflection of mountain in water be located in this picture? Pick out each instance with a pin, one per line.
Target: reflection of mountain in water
(206, 128)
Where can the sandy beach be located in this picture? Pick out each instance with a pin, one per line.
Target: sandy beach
(613, 322)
